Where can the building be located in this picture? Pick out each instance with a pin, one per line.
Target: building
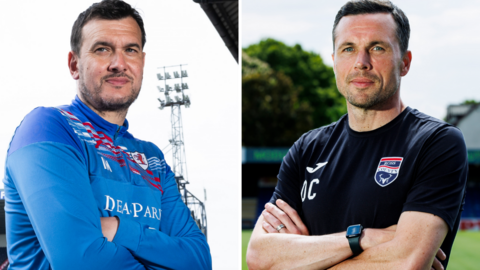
(467, 118)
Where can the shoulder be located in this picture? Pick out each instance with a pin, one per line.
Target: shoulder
(424, 121)
(437, 140)
(43, 124)
(433, 128)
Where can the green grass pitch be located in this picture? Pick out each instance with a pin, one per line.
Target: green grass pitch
(245, 238)
(465, 252)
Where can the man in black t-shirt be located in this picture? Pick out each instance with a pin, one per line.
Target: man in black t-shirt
(385, 167)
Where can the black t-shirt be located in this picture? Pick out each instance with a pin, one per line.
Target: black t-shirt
(335, 177)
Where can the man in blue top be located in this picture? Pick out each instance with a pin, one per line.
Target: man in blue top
(82, 192)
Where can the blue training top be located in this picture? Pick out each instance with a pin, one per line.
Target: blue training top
(67, 167)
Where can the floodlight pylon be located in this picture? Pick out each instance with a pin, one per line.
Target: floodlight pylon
(179, 165)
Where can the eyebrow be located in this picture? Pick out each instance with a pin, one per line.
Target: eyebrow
(129, 45)
(383, 43)
(373, 43)
(108, 44)
(102, 43)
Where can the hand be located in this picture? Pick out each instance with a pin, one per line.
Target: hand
(283, 214)
(436, 263)
(109, 227)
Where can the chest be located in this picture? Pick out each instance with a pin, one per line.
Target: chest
(126, 179)
(356, 181)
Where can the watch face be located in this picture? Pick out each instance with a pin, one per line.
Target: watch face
(354, 230)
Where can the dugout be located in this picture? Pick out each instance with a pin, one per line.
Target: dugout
(260, 168)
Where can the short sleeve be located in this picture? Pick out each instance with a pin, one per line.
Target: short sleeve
(288, 186)
(440, 177)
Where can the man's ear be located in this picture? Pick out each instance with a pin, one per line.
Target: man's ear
(406, 62)
(73, 65)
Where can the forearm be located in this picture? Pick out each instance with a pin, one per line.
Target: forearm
(287, 251)
(62, 210)
(157, 250)
(390, 255)
(417, 239)
(177, 244)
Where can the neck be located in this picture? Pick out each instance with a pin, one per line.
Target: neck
(361, 119)
(114, 117)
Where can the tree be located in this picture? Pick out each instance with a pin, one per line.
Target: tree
(272, 114)
(314, 80)
(470, 102)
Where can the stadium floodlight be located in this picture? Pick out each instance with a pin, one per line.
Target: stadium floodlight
(179, 164)
(162, 104)
(177, 88)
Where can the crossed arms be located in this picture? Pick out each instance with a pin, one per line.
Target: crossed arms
(412, 244)
(53, 219)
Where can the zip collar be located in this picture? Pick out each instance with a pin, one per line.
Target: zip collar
(112, 130)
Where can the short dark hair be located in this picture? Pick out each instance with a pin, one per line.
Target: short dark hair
(356, 7)
(107, 10)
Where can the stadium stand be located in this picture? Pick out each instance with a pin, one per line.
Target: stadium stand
(260, 167)
(466, 117)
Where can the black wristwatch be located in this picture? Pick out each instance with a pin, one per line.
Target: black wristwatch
(353, 235)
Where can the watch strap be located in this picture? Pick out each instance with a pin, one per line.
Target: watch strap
(355, 245)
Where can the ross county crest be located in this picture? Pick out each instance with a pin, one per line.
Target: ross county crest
(140, 159)
(387, 170)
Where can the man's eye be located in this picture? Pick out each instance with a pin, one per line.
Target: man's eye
(377, 48)
(101, 50)
(130, 50)
(349, 49)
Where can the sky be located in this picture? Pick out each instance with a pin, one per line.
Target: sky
(444, 39)
(33, 72)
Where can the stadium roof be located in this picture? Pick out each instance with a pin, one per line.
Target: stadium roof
(224, 16)
(455, 113)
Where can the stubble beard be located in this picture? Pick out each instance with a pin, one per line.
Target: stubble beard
(93, 96)
(375, 99)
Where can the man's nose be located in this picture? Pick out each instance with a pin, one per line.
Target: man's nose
(118, 63)
(363, 61)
